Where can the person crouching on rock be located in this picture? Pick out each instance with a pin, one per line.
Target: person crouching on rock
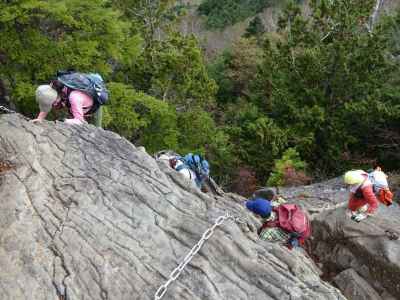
(362, 201)
(58, 96)
(272, 229)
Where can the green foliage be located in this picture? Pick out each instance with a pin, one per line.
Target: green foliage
(24, 98)
(141, 118)
(149, 17)
(322, 83)
(221, 153)
(235, 70)
(221, 13)
(318, 86)
(39, 37)
(256, 28)
(197, 130)
(257, 139)
(290, 159)
(173, 70)
(216, 70)
(178, 73)
(199, 134)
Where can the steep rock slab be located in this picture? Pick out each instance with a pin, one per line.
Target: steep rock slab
(341, 243)
(86, 215)
(318, 197)
(354, 287)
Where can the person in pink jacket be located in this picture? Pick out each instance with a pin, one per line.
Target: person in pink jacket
(57, 96)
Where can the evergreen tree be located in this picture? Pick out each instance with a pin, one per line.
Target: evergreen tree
(328, 83)
(141, 118)
(38, 37)
(255, 29)
(221, 13)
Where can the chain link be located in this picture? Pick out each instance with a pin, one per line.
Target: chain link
(196, 248)
(10, 111)
(7, 110)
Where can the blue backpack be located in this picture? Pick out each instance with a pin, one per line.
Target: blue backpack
(197, 164)
(91, 83)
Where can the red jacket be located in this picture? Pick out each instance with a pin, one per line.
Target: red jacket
(364, 195)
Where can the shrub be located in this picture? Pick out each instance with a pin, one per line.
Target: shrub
(289, 170)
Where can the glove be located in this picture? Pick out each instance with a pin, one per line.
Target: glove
(293, 240)
(359, 217)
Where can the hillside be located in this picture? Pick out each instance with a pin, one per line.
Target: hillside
(216, 40)
(87, 215)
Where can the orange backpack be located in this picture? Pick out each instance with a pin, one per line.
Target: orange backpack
(385, 196)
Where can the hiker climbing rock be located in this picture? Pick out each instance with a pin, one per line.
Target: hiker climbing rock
(381, 186)
(175, 162)
(267, 193)
(197, 164)
(285, 223)
(82, 94)
(363, 190)
(192, 166)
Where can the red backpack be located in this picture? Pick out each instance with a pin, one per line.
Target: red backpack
(292, 219)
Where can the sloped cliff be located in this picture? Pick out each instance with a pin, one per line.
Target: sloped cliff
(215, 41)
(362, 259)
(84, 214)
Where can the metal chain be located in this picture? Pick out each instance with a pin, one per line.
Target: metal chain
(10, 111)
(7, 110)
(196, 248)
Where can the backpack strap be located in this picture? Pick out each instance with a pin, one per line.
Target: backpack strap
(181, 167)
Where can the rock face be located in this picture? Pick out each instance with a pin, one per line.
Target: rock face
(364, 247)
(354, 287)
(364, 259)
(86, 215)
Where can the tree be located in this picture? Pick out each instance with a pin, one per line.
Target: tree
(235, 70)
(142, 119)
(255, 29)
(324, 82)
(150, 17)
(178, 73)
(38, 37)
(256, 138)
(222, 13)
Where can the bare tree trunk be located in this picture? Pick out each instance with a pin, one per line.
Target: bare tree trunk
(374, 16)
(4, 98)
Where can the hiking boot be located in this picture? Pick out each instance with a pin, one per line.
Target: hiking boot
(350, 213)
(359, 217)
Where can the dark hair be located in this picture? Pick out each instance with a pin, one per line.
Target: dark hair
(267, 194)
(376, 165)
(57, 85)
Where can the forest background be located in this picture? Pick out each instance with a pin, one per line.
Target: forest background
(310, 99)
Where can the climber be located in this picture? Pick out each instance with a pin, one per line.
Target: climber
(285, 223)
(179, 164)
(381, 185)
(267, 193)
(77, 92)
(198, 169)
(362, 201)
(78, 102)
(366, 189)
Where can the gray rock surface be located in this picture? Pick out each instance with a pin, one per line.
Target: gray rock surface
(86, 215)
(341, 243)
(355, 287)
(338, 243)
